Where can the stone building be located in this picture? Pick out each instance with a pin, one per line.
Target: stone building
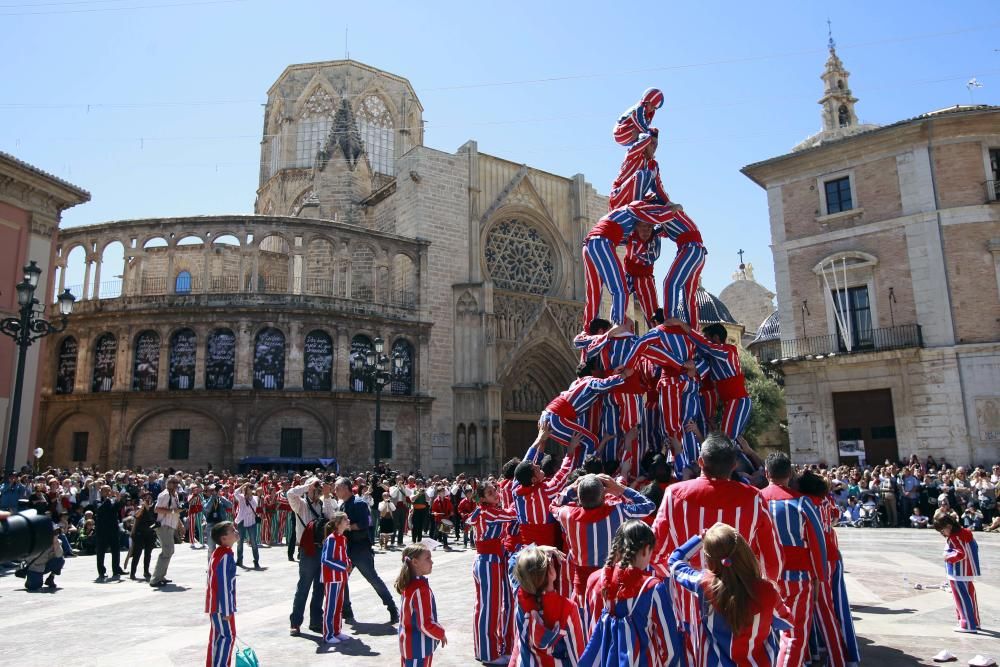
(749, 302)
(230, 336)
(31, 206)
(886, 244)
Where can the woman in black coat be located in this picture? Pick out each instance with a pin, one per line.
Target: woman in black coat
(143, 536)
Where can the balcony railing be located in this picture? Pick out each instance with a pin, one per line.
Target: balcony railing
(323, 287)
(821, 347)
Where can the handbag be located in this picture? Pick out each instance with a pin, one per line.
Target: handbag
(245, 656)
(22, 571)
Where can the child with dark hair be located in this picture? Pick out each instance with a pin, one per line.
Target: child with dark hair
(962, 566)
(629, 611)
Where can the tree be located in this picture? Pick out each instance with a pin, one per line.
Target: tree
(768, 398)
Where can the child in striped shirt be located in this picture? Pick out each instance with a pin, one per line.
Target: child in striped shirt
(962, 565)
(336, 568)
(220, 595)
(419, 631)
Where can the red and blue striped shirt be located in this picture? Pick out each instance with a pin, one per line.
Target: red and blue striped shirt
(334, 559)
(419, 631)
(962, 556)
(588, 532)
(220, 595)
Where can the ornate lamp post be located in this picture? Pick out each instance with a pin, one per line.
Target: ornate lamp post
(373, 368)
(25, 329)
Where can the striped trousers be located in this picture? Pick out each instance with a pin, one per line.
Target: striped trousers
(602, 268)
(799, 597)
(966, 606)
(644, 289)
(562, 430)
(736, 416)
(333, 608)
(488, 622)
(680, 285)
(221, 641)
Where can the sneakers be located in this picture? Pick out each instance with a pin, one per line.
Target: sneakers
(983, 661)
(331, 641)
(944, 655)
(959, 628)
(342, 637)
(393, 616)
(502, 660)
(294, 631)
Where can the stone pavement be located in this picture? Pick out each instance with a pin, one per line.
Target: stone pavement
(124, 622)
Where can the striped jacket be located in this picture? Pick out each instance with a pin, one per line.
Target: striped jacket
(588, 532)
(419, 631)
(962, 556)
(334, 559)
(800, 534)
(220, 595)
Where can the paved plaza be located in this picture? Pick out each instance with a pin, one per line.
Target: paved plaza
(124, 622)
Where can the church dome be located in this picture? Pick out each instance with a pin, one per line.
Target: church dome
(711, 310)
(769, 329)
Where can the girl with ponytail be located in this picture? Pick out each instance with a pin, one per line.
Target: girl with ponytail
(629, 610)
(738, 608)
(419, 631)
(547, 626)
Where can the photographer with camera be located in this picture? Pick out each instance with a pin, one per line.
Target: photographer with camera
(216, 510)
(312, 504)
(107, 532)
(168, 514)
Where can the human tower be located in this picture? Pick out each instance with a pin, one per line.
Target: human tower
(642, 394)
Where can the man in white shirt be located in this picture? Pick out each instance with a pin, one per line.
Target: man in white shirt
(401, 500)
(168, 516)
(311, 502)
(246, 524)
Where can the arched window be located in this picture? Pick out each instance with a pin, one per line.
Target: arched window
(376, 128)
(146, 361)
(66, 365)
(360, 347)
(220, 359)
(362, 273)
(314, 123)
(269, 359)
(183, 353)
(402, 379)
(843, 116)
(183, 283)
(318, 352)
(105, 350)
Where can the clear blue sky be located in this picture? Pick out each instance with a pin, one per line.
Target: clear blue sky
(155, 106)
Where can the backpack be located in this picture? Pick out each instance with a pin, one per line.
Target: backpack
(312, 533)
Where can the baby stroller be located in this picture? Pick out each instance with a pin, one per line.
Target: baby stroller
(869, 512)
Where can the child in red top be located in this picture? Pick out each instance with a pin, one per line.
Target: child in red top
(465, 509)
(962, 565)
(336, 568)
(442, 510)
(548, 627)
(419, 631)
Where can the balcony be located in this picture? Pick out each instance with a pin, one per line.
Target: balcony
(822, 347)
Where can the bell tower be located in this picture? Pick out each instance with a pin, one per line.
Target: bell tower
(838, 102)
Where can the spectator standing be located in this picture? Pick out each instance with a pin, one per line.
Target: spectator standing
(143, 536)
(313, 507)
(168, 514)
(246, 523)
(359, 548)
(910, 491)
(11, 493)
(107, 533)
(399, 498)
(216, 510)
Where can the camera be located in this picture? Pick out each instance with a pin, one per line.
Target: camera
(24, 535)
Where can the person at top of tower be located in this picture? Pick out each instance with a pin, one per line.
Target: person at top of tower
(639, 176)
(636, 119)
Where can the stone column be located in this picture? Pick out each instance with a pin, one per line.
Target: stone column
(342, 359)
(81, 384)
(206, 285)
(171, 283)
(86, 279)
(123, 361)
(97, 279)
(294, 362)
(163, 365)
(62, 278)
(421, 372)
(201, 351)
(244, 356)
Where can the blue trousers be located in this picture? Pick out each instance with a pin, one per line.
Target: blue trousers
(248, 534)
(309, 571)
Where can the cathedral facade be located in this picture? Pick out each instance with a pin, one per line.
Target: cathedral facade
(226, 337)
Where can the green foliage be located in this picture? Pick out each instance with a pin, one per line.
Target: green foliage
(768, 398)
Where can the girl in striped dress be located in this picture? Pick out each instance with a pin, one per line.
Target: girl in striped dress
(489, 572)
(419, 631)
(547, 626)
(630, 612)
(740, 610)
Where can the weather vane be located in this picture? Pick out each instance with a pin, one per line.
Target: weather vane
(971, 86)
(829, 34)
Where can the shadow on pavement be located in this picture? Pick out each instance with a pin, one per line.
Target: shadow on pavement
(883, 656)
(373, 629)
(865, 609)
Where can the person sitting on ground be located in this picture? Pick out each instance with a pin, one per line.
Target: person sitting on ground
(918, 519)
(972, 518)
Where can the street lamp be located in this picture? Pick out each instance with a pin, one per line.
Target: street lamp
(25, 329)
(373, 368)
